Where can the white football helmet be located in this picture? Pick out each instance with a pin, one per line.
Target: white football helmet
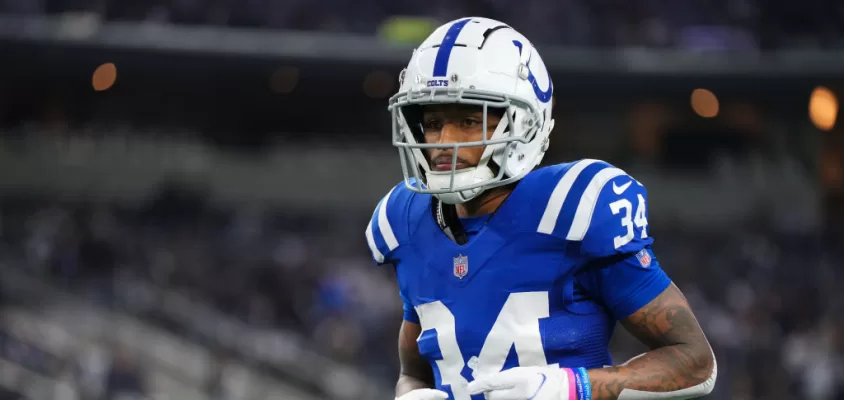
(477, 61)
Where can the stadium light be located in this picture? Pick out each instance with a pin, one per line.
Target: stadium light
(104, 77)
(705, 103)
(823, 108)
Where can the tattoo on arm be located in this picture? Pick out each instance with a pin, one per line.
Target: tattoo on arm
(416, 373)
(680, 355)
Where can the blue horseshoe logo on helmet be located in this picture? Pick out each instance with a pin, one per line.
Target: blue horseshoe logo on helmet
(543, 95)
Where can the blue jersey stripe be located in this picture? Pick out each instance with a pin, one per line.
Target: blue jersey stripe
(444, 52)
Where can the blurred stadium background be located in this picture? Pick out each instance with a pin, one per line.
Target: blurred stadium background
(184, 184)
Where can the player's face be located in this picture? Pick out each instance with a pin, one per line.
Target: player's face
(456, 123)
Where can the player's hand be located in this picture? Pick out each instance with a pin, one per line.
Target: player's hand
(424, 394)
(532, 383)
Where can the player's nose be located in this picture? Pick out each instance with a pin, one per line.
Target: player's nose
(450, 133)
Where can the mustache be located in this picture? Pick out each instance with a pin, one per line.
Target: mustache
(446, 159)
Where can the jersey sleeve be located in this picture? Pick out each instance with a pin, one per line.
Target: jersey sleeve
(625, 283)
(409, 312)
(386, 231)
(601, 212)
(597, 208)
(388, 227)
(612, 217)
(611, 225)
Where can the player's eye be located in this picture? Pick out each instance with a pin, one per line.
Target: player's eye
(472, 123)
(432, 126)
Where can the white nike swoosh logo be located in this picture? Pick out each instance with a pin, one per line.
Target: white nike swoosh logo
(620, 189)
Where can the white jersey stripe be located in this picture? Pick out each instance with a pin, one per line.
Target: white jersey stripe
(583, 215)
(558, 196)
(370, 239)
(384, 224)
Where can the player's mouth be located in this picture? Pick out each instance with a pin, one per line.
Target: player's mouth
(448, 167)
(443, 163)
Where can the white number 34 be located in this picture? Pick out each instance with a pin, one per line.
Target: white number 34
(627, 220)
(517, 326)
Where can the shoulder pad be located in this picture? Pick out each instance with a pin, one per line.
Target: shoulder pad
(388, 228)
(599, 206)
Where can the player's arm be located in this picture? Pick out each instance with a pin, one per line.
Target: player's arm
(631, 283)
(679, 365)
(415, 373)
(609, 230)
(384, 234)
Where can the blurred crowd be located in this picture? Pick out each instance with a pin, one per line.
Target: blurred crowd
(267, 269)
(699, 24)
(769, 301)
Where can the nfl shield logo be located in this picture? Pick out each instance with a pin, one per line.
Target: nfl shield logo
(644, 258)
(461, 266)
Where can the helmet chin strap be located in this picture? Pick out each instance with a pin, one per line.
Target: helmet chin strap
(446, 217)
(458, 197)
(469, 176)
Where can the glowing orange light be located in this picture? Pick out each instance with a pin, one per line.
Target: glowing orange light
(823, 108)
(104, 77)
(705, 103)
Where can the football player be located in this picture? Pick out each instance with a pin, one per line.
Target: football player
(512, 277)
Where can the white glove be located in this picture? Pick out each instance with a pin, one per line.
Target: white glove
(530, 383)
(424, 394)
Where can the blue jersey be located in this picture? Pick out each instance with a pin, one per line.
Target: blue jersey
(540, 282)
